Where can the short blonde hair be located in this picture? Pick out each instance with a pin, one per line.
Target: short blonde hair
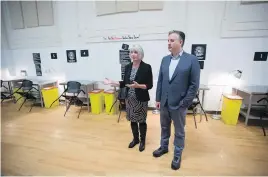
(138, 49)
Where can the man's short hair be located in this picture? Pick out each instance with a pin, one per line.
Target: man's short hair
(180, 34)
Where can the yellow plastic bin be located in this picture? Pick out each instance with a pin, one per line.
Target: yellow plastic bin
(230, 109)
(17, 96)
(102, 98)
(96, 101)
(110, 97)
(50, 94)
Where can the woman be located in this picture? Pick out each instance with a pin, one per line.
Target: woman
(138, 79)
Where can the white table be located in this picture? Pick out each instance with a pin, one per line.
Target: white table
(203, 88)
(251, 91)
(40, 83)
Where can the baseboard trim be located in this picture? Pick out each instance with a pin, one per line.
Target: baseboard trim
(214, 112)
(153, 108)
(208, 112)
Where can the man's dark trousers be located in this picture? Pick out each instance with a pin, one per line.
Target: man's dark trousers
(178, 117)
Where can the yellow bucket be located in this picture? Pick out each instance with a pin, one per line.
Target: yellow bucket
(110, 97)
(96, 101)
(230, 109)
(50, 94)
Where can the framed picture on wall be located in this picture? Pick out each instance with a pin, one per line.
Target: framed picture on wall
(124, 57)
(36, 58)
(201, 63)
(249, 2)
(38, 69)
(71, 56)
(260, 56)
(84, 53)
(54, 56)
(199, 50)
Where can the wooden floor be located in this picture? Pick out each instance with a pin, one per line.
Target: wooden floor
(44, 142)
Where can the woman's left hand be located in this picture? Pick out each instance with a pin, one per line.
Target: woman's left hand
(134, 85)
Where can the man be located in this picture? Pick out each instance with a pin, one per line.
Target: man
(178, 83)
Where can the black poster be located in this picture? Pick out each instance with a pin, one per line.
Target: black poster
(201, 63)
(38, 69)
(37, 63)
(71, 56)
(125, 46)
(36, 58)
(54, 56)
(199, 50)
(124, 56)
(39, 73)
(124, 60)
(260, 56)
(84, 53)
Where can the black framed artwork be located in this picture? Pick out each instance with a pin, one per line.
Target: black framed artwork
(37, 63)
(260, 56)
(125, 46)
(201, 63)
(38, 69)
(36, 58)
(124, 60)
(71, 56)
(38, 72)
(124, 57)
(84, 53)
(199, 50)
(54, 56)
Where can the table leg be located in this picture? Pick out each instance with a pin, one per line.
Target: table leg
(41, 96)
(87, 97)
(249, 107)
(202, 102)
(9, 88)
(65, 100)
(11, 91)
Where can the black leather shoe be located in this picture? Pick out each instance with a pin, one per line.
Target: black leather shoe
(133, 143)
(142, 146)
(176, 163)
(159, 152)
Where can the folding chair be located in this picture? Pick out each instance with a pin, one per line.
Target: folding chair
(26, 93)
(121, 98)
(261, 112)
(6, 95)
(73, 87)
(3, 94)
(194, 107)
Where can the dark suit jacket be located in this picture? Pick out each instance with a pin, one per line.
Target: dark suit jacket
(183, 86)
(143, 76)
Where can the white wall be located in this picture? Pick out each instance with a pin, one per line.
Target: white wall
(76, 25)
(6, 53)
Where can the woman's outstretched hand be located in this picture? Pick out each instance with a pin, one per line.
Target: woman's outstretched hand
(110, 82)
(134, 85)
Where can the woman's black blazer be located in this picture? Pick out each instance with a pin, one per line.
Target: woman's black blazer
(144, 75)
